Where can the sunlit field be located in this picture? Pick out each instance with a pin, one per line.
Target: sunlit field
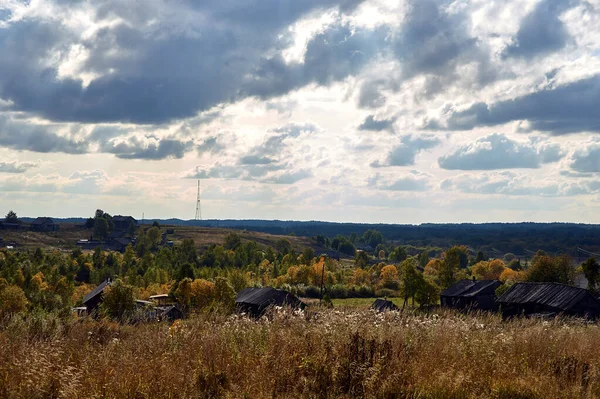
(315, 354)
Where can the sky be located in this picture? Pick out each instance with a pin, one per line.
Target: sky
(380, 111)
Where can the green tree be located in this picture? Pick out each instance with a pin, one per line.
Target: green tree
(372, 238)
(361, 260)
(118, 300)
(232, 241)
(591, 271)
(409, 279)
(224, 293)
(399, 254)
(153, 238)
(308, 254)
(11, 217)
(424, 259)
(155, 224)
(130, 230)
(100, 229)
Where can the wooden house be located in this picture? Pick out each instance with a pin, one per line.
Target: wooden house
(255, 301)
(471, 295)
(93, 300)
(548, 299)
(381, 305)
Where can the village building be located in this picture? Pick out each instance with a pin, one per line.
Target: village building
(381, 305)
(93, 300)
(122, 223)
(548, 299)
(44, 224)
(255, 301)
(471, 295)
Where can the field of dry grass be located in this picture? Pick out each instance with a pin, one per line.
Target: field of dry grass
(318, 354)
(69, 234)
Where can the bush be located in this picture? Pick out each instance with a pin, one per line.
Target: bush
(385, 292)
(338, 291)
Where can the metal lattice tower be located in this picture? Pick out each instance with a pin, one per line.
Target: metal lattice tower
(198, 206)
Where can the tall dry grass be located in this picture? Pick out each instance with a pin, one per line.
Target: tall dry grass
(324, 354)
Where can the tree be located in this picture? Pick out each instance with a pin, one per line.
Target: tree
(130, 230)
(153, 237)
(424, 259)
(100, 229)
(232, 241)
(399, 254)
(591, 271)
(361, 260)
(409, 279)
(89, 223)
(11, 217)
(118, 300)
(183, 293)
(155, 224)
(224, 293)
(12, 300)
(308, 254)
(389, 277)
(447, 273)
(372, 238)
(427, 292)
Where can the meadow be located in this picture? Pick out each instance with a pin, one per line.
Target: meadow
(318, 353)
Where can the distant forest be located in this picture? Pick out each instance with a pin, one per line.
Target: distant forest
(521, 239)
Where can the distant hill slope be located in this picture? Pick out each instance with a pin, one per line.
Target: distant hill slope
(518, 238)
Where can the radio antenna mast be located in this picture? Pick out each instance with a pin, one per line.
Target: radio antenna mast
(198, 206)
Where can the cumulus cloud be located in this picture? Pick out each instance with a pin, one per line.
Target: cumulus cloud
(16, 166)
(405, 153)
(541, 31)
(497, 151)
(586, 160)
(370, 123)
(568, 108)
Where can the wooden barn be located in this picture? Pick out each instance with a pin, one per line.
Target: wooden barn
(93, 300)
(548, 299)
(471, 295)
(255, 301)
(381, 305)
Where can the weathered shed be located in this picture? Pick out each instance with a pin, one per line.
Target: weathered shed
(471, 294)
(548, 298)
(93, 300)
(256, 301)
(169, 313)
(381, 305)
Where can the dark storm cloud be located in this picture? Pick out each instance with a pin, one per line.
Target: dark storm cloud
(569, 108)
(212, 54)
(370, 123)
(497, 151)
(541, 31)
(37, 138)
(405, 153)
(134, 148)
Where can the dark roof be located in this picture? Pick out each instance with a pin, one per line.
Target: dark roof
(554, 295)
(96, 291)
(121, 218)
(43, 220)
(381, 305)
(264, 297)
(470, 288)
(123, 241)
(116, 234)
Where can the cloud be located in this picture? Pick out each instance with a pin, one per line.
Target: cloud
(370, 123)
(569, 108)
(211, 145)
(412, 181)
(19, 135)
(405, 153)
(497, 151)
(16, 167)
(541, 31)
(509, 183)
(148, 149)
(200, 55)
(586, 160)
(289, 177)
